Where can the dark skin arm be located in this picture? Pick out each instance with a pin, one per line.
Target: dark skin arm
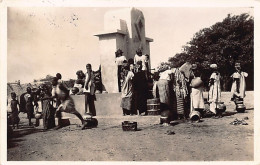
(88, 80)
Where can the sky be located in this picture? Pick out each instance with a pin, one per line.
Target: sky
(48, 40)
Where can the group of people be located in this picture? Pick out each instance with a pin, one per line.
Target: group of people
(178, 91)
(56, 99)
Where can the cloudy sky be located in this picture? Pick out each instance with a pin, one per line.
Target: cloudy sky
(47, 40)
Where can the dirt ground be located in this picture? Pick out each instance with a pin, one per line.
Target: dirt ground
(209, 140)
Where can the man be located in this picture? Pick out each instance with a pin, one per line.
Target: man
(30, 101)
(89, 91)
(67, 104)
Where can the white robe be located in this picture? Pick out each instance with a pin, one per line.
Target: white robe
(242, 85)
(214, 96)
(197, 100)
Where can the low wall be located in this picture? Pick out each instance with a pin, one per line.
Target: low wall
(106, 104)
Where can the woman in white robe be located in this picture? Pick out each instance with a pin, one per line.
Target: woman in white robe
(214, 95)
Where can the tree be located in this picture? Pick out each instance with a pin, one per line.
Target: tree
(47, 78)
(224, 43)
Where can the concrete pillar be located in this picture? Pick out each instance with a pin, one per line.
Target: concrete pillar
(123, 29)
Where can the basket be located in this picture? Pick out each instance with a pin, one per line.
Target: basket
(129, 126)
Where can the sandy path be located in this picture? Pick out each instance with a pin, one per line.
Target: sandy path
(211, 139)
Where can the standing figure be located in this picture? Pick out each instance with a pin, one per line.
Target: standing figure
(119, 62)
(140, 89)
(181, 92)
(67, 104)
(14, 114)
(58, 76)
(30, 103)
(164, 89)
(238, 88)
(140, 57)
(48, 111)
(196, 95)
(214, 95)
(79, 83)
(127, 92)
(89, 91)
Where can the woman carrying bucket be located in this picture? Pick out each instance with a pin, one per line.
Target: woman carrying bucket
(214, 95)
(197, 100)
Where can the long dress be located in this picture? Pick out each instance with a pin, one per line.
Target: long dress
(141, 90)
(164, 90)
(214, 96)
(127, 92)
(239, 84)
(181, 91)
(48, 114)
(29, 105)
(197, 100)
(14, 115)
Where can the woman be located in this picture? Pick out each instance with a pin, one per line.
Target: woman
(197, 100)
(140, 57)
(140, 89)
(238, 88)
(164, 89)
(48, 111)
(119, 62)
(181, 92)
(214, 95)
(89, 90)
(127, 92)
(79, 83)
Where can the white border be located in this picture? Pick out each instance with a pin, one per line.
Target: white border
(4, 4)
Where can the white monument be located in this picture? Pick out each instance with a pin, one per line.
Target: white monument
(123, 29)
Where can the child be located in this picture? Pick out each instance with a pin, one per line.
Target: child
(14, 114)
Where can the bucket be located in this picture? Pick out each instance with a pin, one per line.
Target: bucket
(221, 107)
(195, 116)
(240, 108)
(166, 117)
(153, 106)
(91, 122)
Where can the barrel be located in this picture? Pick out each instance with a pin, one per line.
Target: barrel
(153, 106)
(195, 116)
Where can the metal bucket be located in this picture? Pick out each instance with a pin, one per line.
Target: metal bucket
(221, 107)
(240, 108)
(195, 116)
